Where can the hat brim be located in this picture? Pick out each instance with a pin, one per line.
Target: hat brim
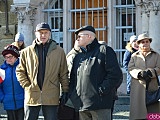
(91, 29)
(76, 32)
(42, 29)
(5, 52)
(138, 41)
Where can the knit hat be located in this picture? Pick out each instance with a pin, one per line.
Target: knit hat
(133, 38)
(19, 37)
(87, 27)
(42, 26)
(142, 37)
(11, 49)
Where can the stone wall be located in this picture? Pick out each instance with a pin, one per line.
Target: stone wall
(6, 39)
(12, 21)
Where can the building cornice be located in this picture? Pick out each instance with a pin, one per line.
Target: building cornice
(148, 5)
(22, 10)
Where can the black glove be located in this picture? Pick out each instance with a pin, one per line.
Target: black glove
(144, 75)
(64, 98)
(149, 73)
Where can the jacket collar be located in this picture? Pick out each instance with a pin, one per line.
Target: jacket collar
(151, 51)
(5, 65)
(90, 46)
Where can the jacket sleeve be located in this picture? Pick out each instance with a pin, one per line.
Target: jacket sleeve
(1, 93)
(114, 76)
(126, 59)
(72, 81)
(73, 75)
(133, 70)
(63, 73)
(21, 72)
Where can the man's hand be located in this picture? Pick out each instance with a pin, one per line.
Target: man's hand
(64, 98)
(102, 90)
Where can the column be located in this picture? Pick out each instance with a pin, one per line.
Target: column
(150, 16)
(154, 29)
(67, 35)
(25, 14)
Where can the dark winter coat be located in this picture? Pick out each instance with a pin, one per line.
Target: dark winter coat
(95, 67)
(11, 93)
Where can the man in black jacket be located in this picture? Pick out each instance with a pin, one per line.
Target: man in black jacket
(94, 76)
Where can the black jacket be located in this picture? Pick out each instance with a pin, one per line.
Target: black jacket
(95, 67)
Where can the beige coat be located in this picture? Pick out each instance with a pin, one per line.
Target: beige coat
(138, 62)
(56, 72)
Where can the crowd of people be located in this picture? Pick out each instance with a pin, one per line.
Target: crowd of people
(81, 85)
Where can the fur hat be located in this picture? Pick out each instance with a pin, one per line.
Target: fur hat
(142, 37)
(11, 49)
(87, 27)
(19, 37)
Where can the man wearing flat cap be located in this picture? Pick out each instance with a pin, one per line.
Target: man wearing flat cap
(94, 76)
(42, 69)
(142, 67)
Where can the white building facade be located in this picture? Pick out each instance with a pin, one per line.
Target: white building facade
(114, 20)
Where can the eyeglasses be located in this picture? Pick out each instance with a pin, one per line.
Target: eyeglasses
(8, 57)
(78, 36)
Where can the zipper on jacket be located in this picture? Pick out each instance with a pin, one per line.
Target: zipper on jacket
(41, 97)
(13, 88)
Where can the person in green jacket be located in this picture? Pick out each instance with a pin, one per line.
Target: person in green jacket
(68, 112)
(42, 69)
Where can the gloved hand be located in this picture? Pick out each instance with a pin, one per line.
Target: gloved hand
(64, 98)
(149, 73)
(144, 75)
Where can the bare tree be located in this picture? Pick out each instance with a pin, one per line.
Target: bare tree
(6, 16)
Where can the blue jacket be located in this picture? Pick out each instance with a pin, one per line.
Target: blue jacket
(127, 57)
(11, 93)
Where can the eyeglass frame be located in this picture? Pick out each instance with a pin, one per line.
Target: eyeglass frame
(78, 36)
(8, 57)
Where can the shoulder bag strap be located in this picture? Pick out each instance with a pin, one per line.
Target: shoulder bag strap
(157, 77)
